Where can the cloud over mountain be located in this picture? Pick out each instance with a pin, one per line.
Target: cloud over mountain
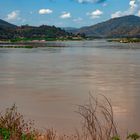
(134, 6)
(14, 15)
(95, 14)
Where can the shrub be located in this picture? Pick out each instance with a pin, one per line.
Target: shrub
(133, 136)
(14, 127)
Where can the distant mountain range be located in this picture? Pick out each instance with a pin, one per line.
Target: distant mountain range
(127, 26)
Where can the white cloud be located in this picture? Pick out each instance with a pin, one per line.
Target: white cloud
(95, 14)
(45, 11)
(117, 14)
(90, 1)
(14, 15)
(65, 15)
(134, 6)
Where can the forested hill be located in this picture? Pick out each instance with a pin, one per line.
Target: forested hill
(127, 26)
(5, 24)
(10, 31)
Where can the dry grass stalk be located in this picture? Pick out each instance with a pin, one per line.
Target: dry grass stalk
(98, 119)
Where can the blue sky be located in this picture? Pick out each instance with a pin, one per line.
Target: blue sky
(65, 13)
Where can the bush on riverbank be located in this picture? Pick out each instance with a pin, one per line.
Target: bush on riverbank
(98, 124)
(14, 127)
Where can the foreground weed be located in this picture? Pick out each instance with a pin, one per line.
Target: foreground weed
(133, 136)
(14, 127)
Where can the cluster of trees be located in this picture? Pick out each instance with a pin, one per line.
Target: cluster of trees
(6, 33)
(43, 32)
(26, 31)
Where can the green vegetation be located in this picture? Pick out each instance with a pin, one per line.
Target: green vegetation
(125, 40)
(14, 127)
(43, 39)
(17, 46)
(133, 136)
(31, 33)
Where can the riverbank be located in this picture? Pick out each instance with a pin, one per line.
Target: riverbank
(15, 46)
(33, 43)
(125, 40)
(116, 43)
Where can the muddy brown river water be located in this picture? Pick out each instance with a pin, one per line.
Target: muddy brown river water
(47, 83)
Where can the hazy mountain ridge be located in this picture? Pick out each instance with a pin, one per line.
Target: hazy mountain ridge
(4, 24)
(127, 26)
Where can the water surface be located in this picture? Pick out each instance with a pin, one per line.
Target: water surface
(47, 83)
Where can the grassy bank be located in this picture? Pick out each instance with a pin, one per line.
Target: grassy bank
(41, 39)
(125, 40)
(14, 127)
(16, 46)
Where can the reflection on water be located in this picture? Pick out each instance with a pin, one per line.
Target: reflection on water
(47, 83)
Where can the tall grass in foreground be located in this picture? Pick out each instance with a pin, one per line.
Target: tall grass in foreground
(97, 124)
